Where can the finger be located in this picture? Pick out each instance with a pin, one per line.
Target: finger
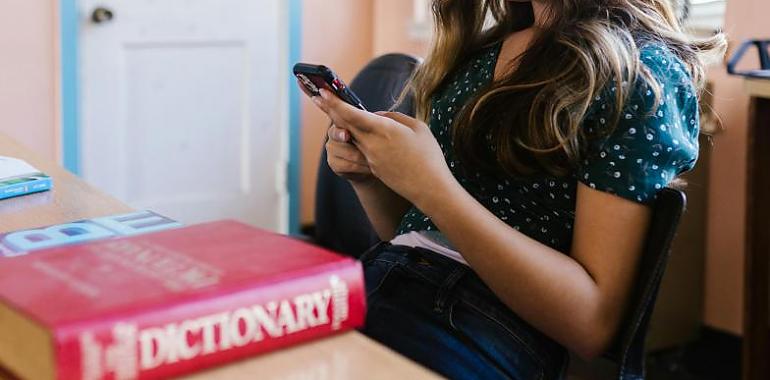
(345, 151)
(304, 89)
(315, 98)
(338, 134)
(341, 166)
(401, 118)
(347, 116)
(321, 105)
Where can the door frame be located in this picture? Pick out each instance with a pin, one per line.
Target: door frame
(70, 98)
(70, 86)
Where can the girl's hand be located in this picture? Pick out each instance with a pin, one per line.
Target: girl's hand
(345, 159)
(401, 151)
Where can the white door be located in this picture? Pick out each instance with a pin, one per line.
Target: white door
(184, 106)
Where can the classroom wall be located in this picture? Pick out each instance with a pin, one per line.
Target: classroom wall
(391, 29)
(723, 306)
(29, 68)
(28, 73)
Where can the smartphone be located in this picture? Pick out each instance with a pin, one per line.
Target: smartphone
(315, 77)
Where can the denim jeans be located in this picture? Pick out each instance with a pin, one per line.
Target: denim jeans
(440, 314)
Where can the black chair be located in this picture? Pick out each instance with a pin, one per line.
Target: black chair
(629, 349)
(342, 225)
(763, 50)
(340, 221)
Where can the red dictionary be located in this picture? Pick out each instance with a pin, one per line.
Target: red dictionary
(171, 302)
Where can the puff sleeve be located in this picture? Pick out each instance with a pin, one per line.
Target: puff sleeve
(651, 143)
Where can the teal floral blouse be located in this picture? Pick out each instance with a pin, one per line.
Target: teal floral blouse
(649, 147)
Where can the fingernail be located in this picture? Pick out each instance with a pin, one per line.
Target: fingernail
(324, 93)
(316, 100)
(342, 135)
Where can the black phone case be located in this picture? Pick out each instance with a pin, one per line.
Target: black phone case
(323, 77)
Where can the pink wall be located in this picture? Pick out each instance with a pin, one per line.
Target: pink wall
(391, 25)
(726, 228)
(28, 73)
(345, 47)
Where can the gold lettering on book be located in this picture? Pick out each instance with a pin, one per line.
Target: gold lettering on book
(177, 272)
(340, 297)
(133, 350)
(118, 358)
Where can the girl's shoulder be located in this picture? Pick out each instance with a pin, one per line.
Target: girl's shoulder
(654, 139)
(673, 81)
(659, 58)
(668, 70)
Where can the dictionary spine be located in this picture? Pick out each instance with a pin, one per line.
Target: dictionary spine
(147, 343)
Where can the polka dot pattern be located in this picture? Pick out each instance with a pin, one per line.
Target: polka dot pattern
(652, 143)
(649, 146)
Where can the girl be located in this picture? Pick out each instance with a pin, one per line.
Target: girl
(515, 206)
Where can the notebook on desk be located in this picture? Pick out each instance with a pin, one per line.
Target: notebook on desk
(19, 178)
(18, 243)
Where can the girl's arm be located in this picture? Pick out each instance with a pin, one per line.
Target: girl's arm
(383, 207)
(578, 300)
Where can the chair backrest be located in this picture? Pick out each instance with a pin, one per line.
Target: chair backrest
(340, 221)
(629, 348)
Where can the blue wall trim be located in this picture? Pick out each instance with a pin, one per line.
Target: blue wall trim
(295, 116)
(70, 92)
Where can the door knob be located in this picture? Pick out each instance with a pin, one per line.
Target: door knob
(101, 15)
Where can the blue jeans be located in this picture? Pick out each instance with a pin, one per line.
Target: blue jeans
(440, 314)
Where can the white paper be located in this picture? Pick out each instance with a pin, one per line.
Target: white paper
(13, 167)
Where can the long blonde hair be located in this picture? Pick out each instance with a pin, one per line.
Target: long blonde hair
(533, 116)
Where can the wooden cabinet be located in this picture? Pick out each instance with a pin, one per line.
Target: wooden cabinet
(756, 322)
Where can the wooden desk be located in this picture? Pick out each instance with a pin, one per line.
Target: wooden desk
(756, 333)
(346, 356)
